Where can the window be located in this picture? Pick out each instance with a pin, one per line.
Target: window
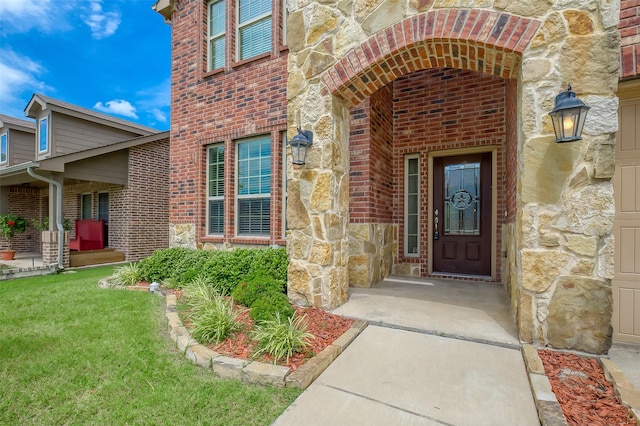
(254, 187)
(285, 17)
(85, 206)
(103, 213)
(4, 148)
(254, 29)
(411, 215)
(215, 189)
(217, 34)
(43, 134)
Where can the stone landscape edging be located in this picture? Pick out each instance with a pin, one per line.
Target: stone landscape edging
(255, 371)
(245, 370)
(626, 391)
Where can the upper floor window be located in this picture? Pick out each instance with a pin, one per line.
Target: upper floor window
(253, 210)
(215, 189)
(43, 134)
(4, 148)
(216, 34)
(254, 28)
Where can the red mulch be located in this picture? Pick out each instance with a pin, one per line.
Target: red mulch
(325, 328)
(585, 395)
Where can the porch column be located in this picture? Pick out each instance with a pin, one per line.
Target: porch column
(318, 203)
(50, 237)
(566, 209)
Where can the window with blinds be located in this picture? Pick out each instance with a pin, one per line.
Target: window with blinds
(253, 210)
(217, 34)
(412, 208)
(215, 189)
(4, 148)
(254, 27)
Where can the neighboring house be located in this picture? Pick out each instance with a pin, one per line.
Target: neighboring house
(108, 169)
(433, 153)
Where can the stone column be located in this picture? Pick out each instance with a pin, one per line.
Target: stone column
(566, 207)
(318, 204)
(50, 248)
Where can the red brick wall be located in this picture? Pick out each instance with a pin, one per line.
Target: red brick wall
(23, 201)
(245, 99)
(629, 27)
(440, 109)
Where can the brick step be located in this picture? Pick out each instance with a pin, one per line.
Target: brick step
(94, 257)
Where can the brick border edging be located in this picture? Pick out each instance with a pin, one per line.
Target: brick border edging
(549, 410)
(255, 371)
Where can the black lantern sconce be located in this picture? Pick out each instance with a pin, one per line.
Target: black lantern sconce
(568, 117)
(299, 144)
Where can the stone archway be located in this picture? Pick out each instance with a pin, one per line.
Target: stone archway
(336, 61)
(317, 214)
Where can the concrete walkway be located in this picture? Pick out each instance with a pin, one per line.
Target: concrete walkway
(428, 361)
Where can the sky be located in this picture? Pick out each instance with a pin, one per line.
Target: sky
(112, 56)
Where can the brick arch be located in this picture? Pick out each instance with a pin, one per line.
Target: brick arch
(471, 39)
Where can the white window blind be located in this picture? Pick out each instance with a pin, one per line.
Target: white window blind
(215, 189)
(254, 17)
(254, 187)
(217, 37)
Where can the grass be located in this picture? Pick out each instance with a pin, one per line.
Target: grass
(71, 353)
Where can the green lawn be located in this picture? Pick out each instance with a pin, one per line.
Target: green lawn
(71, 353)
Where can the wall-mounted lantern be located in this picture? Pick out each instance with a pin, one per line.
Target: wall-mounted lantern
(568, 117)
(299, 144)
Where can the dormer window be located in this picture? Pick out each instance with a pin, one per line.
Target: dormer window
(4, 148)
(43, 135)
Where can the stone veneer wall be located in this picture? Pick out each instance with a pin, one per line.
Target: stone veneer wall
(342, 52)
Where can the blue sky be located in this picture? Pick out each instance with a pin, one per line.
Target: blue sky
(112, 56)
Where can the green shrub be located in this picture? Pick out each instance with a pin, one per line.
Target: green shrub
(215, 321)
(126, 275)
(224, 268)
(268, 305)
(160, 265)
(281, 337)
(254, 287)
(198, 295)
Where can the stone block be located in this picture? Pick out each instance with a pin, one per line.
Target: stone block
(541, 388)
(541, 268)
(550, 413)
(173, 320)
(202, 355)
(347, 337)
(580, 314)
(228, 368)
(184, 341)
(265, 374)
(582, 244)
(310, 370)
(532, 359)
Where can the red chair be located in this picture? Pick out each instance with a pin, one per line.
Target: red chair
(89, 235)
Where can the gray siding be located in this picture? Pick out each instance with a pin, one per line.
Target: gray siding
(21, 147)
(109, 168)
(71, 134)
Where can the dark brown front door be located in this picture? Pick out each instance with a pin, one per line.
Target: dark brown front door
(462, 214)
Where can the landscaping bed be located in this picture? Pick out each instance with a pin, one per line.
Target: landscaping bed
(584, 394)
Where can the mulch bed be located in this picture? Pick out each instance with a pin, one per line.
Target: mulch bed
(325, 328)
(585, 395)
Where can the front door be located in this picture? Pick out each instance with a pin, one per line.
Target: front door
(462, 214)
(103, 213)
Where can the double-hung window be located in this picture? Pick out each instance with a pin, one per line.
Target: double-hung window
(4, 148)
(43, 134)
(254, 28)
(215, 189)
(216, 34)
(254, 187)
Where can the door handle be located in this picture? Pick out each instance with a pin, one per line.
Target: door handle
(436, 233)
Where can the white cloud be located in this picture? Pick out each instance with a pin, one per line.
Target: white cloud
(118, 107)
(20, 79)
(156, 100)
(102, 24)
(22, 15)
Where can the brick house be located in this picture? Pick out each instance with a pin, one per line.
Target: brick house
(433, 153)
(104, 165)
